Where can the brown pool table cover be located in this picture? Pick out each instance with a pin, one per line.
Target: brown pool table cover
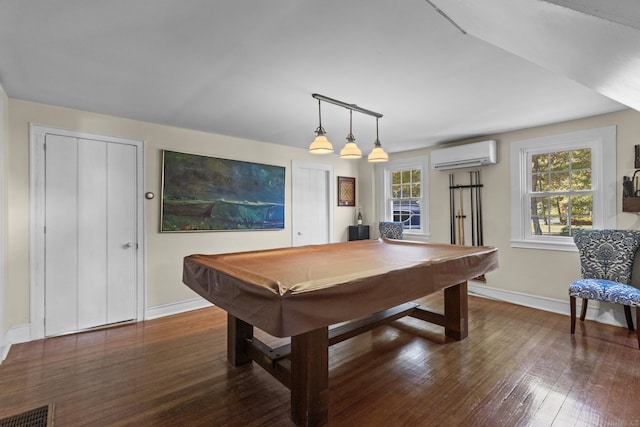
(289, 291)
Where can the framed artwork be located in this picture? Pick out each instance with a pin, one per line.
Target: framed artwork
(346, 191)
(202, 193)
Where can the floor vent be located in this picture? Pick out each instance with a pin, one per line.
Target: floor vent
(38, 417)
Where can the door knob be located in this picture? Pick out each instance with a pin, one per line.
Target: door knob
(130, 245)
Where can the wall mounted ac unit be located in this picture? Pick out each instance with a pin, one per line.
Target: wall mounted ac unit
(464, 156)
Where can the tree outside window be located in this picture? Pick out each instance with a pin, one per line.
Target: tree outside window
(561, 193)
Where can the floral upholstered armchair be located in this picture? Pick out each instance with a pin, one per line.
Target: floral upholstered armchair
(607, 261)
(391, 230)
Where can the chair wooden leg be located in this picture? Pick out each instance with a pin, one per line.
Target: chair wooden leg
(627, 315)
(583, 313)
(572, 304)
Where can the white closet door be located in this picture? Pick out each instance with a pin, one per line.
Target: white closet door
(61, 234)
(90, 233)
(121, 226)
(312, 213)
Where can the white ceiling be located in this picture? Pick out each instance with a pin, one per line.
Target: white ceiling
(247, 68)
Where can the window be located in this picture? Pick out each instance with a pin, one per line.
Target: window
(561, 184)
(404, 197)
(561, 193)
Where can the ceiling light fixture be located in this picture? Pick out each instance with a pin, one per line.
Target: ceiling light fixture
(377, 154)
(320, 144)
(350, 150)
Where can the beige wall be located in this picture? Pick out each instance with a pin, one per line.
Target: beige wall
(164, 250)
(536, 272)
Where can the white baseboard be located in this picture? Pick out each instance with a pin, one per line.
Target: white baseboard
(20, 334)
(175, 308)
(604, 313)
(15, 335)
(610, 314)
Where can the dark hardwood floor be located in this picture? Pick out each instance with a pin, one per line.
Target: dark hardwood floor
(518, 367)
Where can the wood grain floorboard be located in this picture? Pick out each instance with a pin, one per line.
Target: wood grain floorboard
(518, 367)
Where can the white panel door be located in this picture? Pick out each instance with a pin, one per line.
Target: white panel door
(90, 233)
(121, 225)
(312, 195)
(61, 234)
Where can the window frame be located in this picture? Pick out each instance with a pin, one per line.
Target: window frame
(385, 210)
(602, 142)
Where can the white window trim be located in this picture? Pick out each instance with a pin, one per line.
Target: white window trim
(602, 142)
(384, 211)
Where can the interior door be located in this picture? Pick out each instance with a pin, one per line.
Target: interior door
(312, 208)
(90, 233)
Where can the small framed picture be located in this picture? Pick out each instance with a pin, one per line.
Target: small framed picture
(346, 191)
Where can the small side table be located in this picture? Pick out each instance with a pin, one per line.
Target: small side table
(358, 232)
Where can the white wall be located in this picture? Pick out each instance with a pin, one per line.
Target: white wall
(543, 274)
(165, 251)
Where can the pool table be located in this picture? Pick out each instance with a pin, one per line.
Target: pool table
(300, 292)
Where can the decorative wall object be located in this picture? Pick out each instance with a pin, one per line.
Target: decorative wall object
(346, 191)
(202, 193)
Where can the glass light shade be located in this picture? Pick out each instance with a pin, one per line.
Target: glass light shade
(378, 155)
(350, 151)
(321, 145)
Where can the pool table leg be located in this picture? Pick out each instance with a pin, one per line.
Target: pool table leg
(310, 377)
(238, 332)
(456, 311)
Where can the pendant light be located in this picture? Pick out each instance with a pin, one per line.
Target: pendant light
(320, 144)
(377, 154)
(350, 150)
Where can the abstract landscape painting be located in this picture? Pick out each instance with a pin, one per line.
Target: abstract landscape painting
(202, 193)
